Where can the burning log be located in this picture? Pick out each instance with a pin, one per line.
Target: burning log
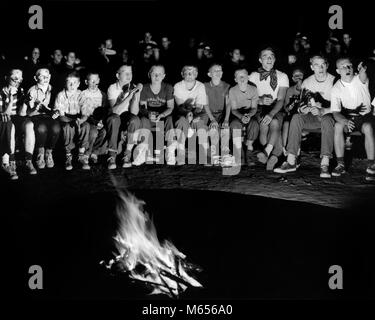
(140, 254)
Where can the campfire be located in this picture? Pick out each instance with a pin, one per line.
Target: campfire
(140, 254)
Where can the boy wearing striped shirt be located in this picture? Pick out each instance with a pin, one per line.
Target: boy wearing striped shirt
(68, 109)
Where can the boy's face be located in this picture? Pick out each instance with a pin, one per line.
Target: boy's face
(215, 73)
(57, 56)
(125, 75)
(43, 77)
(345, 69)
(15, 78)
(157, 75)
(108, 44)
(189, 74)
(346, 38)
(297, 76)
(236, 55)
(241, 77)
(72, 84)
(35, 54)
(319, 66)
(165, 42)
(71, 58)
(267, 59)
(93, 81)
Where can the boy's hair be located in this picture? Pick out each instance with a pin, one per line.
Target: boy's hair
(38, 72)
(267, 49)
(318, 56)
(239, 70)
(298, 69)
(186, 66)
(92, 73)
(155, 66)
(73, 74)
(341, 59)
(214, 64)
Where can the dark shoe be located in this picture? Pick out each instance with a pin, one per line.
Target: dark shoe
(111, 163)
(286, 167)
(84, 161)
(262, 157)
(371, 169)
(30, 167)
(339, 170)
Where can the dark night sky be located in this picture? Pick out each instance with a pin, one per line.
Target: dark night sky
(81, 25)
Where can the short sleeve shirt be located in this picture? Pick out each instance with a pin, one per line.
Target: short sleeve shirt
(242, 99)
(350, 95)
(216, 96)
(264, 86)
(90, 100)
(159, 100)
(37, 95)
(197, 93)
(68, 103)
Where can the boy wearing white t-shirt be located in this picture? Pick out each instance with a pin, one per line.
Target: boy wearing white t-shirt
(315, 115)
(351, 108)
(271, 85)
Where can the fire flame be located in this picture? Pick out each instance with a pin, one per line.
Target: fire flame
(161, 266)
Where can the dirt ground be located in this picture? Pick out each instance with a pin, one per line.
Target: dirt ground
(304, 185)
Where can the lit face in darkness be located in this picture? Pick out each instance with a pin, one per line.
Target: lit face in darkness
(93, 81)
(71, 58)
(267, 59)
(345, 70)
(72, 84)
(216, 73)
(189, 74)
(15, 78)
(35, 54)
(319, 66)
(125, 75)
(57, 56)
(157, 75)
(43, 76)
(241, 77)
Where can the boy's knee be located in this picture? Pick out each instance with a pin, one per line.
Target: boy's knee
(42, 129)
(367, 129)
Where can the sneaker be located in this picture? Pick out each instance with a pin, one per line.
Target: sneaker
(371, 169)
(339, 170)
(68, 162)
(30, 167)
(324, 172)
(228, 161)
(272, 161)
(262, 157)
(94, 158)
(140, 154)
(49, 159)
(40, 163)
(10, 168)
(250, 158)
(370, 177)
(84, 160)
(286, 167)
(126, 160)
(111, 163)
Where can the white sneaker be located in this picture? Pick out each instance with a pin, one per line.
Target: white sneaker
(228, 161)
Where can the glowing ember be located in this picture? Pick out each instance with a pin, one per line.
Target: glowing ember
(161, 266)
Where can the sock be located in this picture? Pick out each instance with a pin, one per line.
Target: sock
(370, 162)
(28, 156)
(41, 150)
(325, 161)
(340, 160)
(5, 158)
(291, 159)
(81, 151)
(12, 157)
(49, 151)
(250, 145)
(268, 149)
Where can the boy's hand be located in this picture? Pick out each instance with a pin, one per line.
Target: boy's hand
(315, 111)
(267, 119)
(245, 119)
(5, 117)
(225, 124)
(350, 124)
(214, 125)
(55, 114)
(100, 125)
